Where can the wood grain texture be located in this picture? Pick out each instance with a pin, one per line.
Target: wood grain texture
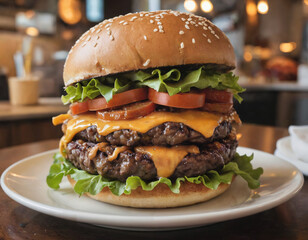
(46, 108)
(25, 124)
(21, 132)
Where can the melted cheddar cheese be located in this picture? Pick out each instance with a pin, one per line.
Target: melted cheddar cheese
(93, 150)
(167, 159)
(101, 147)
(116, 152)
(203, 122)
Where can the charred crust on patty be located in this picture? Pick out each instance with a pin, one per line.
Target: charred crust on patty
(129, 163)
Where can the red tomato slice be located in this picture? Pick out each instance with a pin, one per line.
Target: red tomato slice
(180, 100)
(118, 99)
(79, 107)
(130, 111)
(217, 107)
(218, 96)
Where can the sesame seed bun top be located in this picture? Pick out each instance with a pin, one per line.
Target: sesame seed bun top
(146, 40)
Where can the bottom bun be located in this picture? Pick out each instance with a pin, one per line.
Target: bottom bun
(161, 196)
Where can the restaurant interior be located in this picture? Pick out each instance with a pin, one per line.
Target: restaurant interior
(270, 42)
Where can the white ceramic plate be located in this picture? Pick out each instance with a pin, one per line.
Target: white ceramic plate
(25, 183)
(285, 151)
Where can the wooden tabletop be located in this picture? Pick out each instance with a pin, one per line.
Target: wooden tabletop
(287, 221)
(46, 107)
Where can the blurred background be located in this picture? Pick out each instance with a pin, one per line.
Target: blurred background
(270, 38)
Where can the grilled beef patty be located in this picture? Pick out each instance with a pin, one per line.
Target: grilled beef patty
(169, 133)
(129, 163)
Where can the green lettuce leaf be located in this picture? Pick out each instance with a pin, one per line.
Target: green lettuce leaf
(105, 87)
(173, 81)
(93, 184)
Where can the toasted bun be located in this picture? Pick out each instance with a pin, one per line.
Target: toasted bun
(161, 196)
(146, 40)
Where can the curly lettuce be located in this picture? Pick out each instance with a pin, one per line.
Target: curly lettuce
(173, 81)
(93, 184)
(105, 87)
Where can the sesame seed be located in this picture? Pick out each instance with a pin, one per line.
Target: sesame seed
(133, 18)
(146, 63)
(83, 44)
(160, 27)
(146, 15)
(187, 23)
(159, 23)
(209, 40)
(141, 14)
(189, 19)
(161, 30)
(157, 16)
(216, 36)
(122, 21)
(97, 37)
(125, 23)
(107, 25)
(151, 21)
(181, 32)
(88, 38)
(111, 37)
(99, 30)
(205, 28)
(193, 40)
(210, 28)
(192, 22)
(95, 45)
(183, 19)
(145, 37)
(182, 45)
(186, 26)
(108, 32)
(204, 34)
(213, 32)
(200, 23)
(155, 30)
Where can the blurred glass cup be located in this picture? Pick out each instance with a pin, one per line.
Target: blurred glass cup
(24, 90)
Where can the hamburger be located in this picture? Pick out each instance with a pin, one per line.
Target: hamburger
(151, 121)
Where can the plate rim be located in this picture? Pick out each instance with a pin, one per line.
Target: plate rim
(150, 221)
(290, 155)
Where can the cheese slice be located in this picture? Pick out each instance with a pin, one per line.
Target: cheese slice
(203, 122)
(60, 118)
(93, 151)
(101, 147)
(167, 159)
(116, 152)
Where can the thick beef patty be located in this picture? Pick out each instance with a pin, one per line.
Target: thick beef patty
(169, 133)
(129, 163)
